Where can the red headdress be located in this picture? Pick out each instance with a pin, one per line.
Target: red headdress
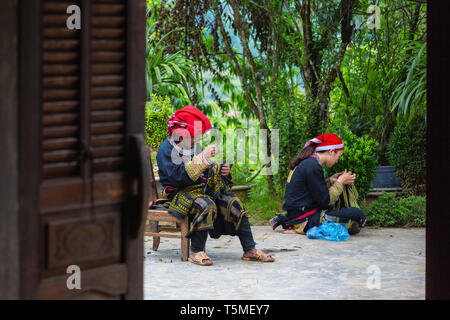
(188, 119)
(326, 141)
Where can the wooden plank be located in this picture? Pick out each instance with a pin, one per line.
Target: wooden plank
(98, 33)
(60, 132)
(108, 164)
(108, 151)
(60, 69)
(108, 21)
(162, 235)
(60, 94)
(108, 56)
(60, 106)
(82, 241)
(107, 92)
(107, 127)
(108, 80)
(107, 104)
(103, 69)
(107, 140)
(162, 215)
(61, 82)
(61, 45)
(60, 169)
(57, 6)
(107, 116)
(108, 45)
(109, 281)
(59, 156)
(59, 33)
(60, 57)
(65, 193)
(60, 119)
(58, 144)
(108, 9)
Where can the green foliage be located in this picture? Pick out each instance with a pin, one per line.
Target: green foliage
(293, 133)
(167, 72)
(392, 211)
(157, 110)
(407, 154)
(383, 82)
(359, 157)
(241, 173)
(409, 97)
(261, 205)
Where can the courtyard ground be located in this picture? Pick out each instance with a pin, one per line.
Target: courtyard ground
(384, 263)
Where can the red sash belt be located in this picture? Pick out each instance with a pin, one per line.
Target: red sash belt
(307, 214)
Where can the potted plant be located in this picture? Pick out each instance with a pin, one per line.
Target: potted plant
(243, 175)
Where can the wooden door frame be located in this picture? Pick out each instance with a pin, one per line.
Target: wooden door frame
(29, 144)
(23, 250)
(9, 172)
(135, 124)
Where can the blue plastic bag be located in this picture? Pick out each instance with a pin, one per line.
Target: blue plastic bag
(328, 231)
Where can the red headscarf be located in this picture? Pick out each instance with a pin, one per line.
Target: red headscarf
(188, 119)
(326, 141)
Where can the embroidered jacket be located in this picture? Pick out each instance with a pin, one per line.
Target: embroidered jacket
(180, 168)
(306, 188)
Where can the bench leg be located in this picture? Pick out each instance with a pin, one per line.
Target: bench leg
(184, 241)
(154, 228)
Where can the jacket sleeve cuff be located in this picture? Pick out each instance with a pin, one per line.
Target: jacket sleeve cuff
(335, 191)
(196, 166)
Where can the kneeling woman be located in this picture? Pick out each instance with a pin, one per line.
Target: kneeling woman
(200, 189)
(309, 198)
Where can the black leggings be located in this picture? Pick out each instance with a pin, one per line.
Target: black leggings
(345, 214)
(198, 238)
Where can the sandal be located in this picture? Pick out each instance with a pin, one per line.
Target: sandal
(275, 222)
(199, 258)
(259, 256)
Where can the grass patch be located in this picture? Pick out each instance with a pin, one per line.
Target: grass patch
(262, 206)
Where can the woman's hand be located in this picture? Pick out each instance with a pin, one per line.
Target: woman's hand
(225, 169)
(335, 176)
(347, 177)
(209, 151)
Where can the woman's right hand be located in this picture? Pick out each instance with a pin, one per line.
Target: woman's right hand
(347, 177)
(209, 151)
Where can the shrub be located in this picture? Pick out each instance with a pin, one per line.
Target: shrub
(261, 205)
(393, 211)
(407, 152)
(360, 157)
(157, 110)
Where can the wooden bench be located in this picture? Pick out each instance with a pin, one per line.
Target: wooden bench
(157, 213)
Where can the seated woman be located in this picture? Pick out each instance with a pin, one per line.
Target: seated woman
(309, 199)
(201, 189)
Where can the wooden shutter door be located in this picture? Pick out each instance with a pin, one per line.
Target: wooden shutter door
(83, 174)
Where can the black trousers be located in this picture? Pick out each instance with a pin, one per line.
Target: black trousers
(244, 233)
(345, 214)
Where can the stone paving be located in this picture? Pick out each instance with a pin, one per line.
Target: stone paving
(385, 263)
